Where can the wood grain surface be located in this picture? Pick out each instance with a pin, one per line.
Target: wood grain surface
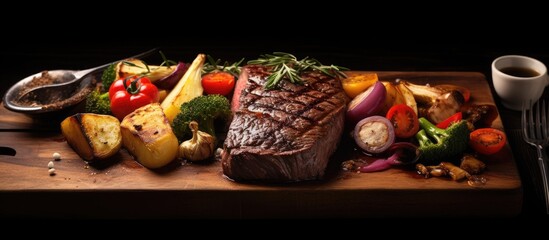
(200, 190)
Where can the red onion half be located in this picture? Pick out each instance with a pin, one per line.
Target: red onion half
(401, 153)
(366, 103)
(168, 82)
(374, 134)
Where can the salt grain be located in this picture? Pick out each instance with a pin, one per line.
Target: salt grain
(56, 156)
(52, 171)
(50, 165)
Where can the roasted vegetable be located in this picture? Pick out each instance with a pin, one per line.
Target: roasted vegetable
(218, 83)
(438, 104)
(92, 136)
(401, 153)
(109, 76)
(163, 76)
(472, 165)
(374, 134)
(357, 83)
(205, 110)
(128, 94)
(188, 87)
(200, 147)
(366, 104)
(97, 102)
(398, 93)
(148, 136)
(438, 144)
(487, 141)
(404, 120)
(428, 171)
(454, 171)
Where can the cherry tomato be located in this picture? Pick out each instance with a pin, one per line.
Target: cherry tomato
(355, 84)
(487, 140)
(128, 94)
(404, 120)
(463, 90)
(452, 119)
(218, 83)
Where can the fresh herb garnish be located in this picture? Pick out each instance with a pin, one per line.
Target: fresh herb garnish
(137, 66)
(166, 62)
(286, 66)
(214, 65)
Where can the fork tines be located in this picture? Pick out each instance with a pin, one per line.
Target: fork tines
(535, 132)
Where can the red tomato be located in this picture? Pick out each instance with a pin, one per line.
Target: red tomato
(404, 120)
(463, 90)
(452, 119)
(126, 95)
(218, 83)
(487, 140)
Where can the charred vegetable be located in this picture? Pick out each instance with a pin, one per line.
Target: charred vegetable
(401, 153)
(438, 144)
(187, 88)
(92, 136)
(374, 134)
(438, 103)
(429, 171)
(472, 165)
(200, 147)
(355, 84)
(366, 103)
(455, 172)
(487, 141)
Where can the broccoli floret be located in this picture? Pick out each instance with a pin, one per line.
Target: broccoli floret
(97, 102)
(437, 145)
(109, 75)
(205, 110)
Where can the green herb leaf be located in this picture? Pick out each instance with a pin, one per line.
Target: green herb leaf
(214, 66)
(287, 66)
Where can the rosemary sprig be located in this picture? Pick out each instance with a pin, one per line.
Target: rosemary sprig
(287, 66)
(214, 65)
(166, 61)
(137, 66)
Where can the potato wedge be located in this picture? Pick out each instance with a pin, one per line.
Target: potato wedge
(148, 136)
(92, 136)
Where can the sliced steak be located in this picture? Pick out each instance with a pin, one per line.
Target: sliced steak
(287, 134)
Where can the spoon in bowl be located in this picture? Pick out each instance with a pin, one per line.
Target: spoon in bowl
(71, 82)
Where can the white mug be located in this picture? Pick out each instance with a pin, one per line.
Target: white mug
(517, 79)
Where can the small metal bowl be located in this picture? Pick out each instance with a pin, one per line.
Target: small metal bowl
(13, 94)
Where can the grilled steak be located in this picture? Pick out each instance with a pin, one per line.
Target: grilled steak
(287, 134)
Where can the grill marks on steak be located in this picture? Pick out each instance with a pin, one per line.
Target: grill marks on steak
(286, 134)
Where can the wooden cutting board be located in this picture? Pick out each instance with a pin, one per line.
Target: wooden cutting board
(123, 188)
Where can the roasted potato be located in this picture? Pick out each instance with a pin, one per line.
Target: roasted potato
(92, 136)
(148, 136)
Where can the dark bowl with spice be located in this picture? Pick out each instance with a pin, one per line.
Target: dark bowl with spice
(59, 106)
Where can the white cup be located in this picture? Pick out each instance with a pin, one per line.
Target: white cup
(517, 79)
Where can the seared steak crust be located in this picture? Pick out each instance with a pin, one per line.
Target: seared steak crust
(287, 134)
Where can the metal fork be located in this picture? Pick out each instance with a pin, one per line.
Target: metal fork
(535, 131)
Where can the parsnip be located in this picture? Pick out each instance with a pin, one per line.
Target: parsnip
(407, 96)
(189, 87)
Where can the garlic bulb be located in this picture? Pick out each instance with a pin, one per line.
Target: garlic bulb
(201, 146)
